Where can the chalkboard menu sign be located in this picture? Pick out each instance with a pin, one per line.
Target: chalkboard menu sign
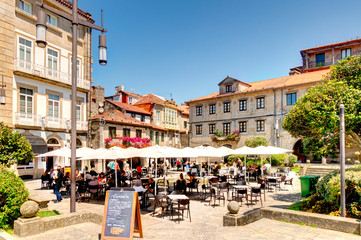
(121, 215)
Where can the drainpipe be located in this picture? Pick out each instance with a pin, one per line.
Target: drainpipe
(274, 118)
(280, 127)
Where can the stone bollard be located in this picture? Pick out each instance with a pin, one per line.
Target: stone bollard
(233, 207)
(29, 209)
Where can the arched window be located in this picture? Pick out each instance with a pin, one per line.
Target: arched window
(53, 142)
(79, 144)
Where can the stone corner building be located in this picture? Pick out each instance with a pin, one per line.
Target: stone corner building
(258, 108)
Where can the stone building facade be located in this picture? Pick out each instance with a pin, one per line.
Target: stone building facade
(253, 109)
(38, 80)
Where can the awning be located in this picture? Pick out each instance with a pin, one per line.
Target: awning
(37, 143)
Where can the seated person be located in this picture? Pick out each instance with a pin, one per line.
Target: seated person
(140, 189)
(151, 185)
(78, 176)
(45, 178)
(191, 180)
(88, 177)
(94, 183)
(93, 172)
(180, 184)
(66, 177)
(102, 179)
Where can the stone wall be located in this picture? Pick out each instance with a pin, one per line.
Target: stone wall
(7, 29)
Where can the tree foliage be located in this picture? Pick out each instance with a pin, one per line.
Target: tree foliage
(256, 142)
(14, 148)
(315, 117)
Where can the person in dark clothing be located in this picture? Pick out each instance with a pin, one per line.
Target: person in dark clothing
(180, 184)
(151, 185)
(58, 183)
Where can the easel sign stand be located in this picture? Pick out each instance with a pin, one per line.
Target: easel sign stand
(121, 216)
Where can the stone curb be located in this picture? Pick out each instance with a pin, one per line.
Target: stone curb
(24, 227)
(5, 236)
(340, 224)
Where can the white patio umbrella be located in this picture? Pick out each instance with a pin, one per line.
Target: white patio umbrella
(61, 152)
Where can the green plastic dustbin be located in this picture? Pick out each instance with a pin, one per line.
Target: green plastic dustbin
(308, 184)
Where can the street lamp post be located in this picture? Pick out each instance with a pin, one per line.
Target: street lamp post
(41, 42)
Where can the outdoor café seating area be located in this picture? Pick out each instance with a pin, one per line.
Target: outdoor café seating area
(168, 191)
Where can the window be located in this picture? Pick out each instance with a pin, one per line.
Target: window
(133, 115)
(212, 127)
(52, 20)
(53, 105)
(162, 137)
(291, 98)
(260, 125)
(142, 118)
(320, 59)
(77, 67)
(158, 116)
(345, 53)
(212, 109)
(126, 132)
(242, 105)
(26, 100)
(78, 111)
(151, 135)
(198, 129)
(25, 7)
(229, 88)
(226, 128)
(25, 53)
(185, 124)
(112, 132)
(227, 107)
(242, 126)
(52, 62)
(260, 103)
(78, 31)
(199, 110)
(138, 133)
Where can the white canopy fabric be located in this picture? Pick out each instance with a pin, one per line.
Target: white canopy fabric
(209, 151)
(270, 150)
(61, 152)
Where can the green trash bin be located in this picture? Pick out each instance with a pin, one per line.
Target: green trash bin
(308, 184)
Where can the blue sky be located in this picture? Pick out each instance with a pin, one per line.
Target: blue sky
(186, 47)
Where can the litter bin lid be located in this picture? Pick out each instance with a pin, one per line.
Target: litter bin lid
(309, 176)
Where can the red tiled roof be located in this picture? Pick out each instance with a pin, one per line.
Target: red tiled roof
(131, 94)
(332, 45)
(150, 98)
(184, 109)
(80, 12)
(129, 108)
(118, 117)
(287, 81)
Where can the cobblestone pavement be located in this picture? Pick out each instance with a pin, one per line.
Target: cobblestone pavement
(206, 221)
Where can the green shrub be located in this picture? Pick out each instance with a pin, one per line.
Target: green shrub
(12, 195)
(292, 159)
(278, 159)
(256, 141)
(327, 197)
(234, 158)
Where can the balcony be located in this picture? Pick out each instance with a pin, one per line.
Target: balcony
(44, 72)
(25, 119)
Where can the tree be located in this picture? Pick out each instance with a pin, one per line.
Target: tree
(256, 141)
(315, 117)
(14, 148)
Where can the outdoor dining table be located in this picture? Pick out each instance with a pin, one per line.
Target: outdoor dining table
(176, 197)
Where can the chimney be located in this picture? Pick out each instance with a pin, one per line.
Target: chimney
(119, 88)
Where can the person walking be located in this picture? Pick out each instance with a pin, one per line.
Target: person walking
(58, 183)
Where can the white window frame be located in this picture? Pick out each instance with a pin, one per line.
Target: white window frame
(25, 62)
(78, 67)
(53, 102)
(51, 16)
(51, 71)
(26, 96)
(21, 7)
(78, 111)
